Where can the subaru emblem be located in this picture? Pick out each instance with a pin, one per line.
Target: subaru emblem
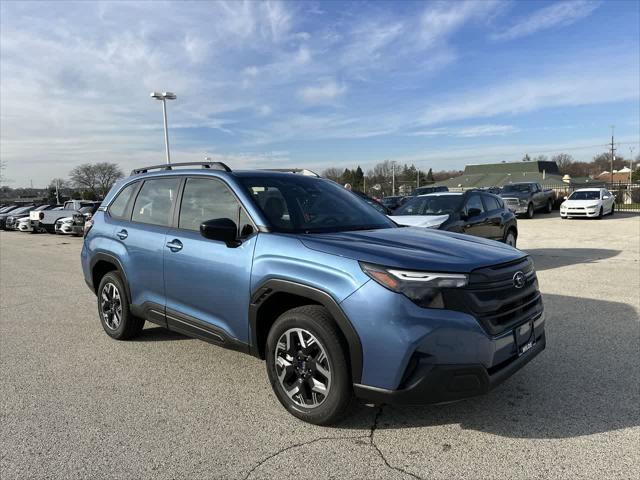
(519, 280)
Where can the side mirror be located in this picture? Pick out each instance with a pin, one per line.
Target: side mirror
(604, 197)
(221, 229)
(565, 197)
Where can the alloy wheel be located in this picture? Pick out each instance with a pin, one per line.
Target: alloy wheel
(111, 306)
(303, 368)
(511, 239)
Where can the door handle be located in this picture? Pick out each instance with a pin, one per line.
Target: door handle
(174, 245)
(122, 234)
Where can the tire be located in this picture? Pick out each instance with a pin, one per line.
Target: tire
(549, 206)
(113, 309)
(613, 209)
(510, 238)
(530, 210)
(600, 213)
(298, 365)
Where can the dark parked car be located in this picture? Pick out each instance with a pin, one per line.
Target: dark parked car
(373, 202)
(426, 190)
(394, 202)
(525, 198)
(14, 211)
(8, 208)
(473, 212)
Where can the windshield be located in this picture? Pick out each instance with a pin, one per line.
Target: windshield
(430, 205)
(299, 204)
(41, 207)
(21, 210)
(389, 201)
(585, 195)
(516, 188)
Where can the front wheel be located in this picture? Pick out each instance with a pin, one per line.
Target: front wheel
(601, 213)
(530, 210)
(307, 365)
(510, 239)
(549, 206)
(613, 209)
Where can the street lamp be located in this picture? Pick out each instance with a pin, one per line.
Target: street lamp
(164, 96)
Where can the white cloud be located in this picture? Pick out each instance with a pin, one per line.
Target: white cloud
(326, 92)
(487, 130)
(577, 84)
(557, 15)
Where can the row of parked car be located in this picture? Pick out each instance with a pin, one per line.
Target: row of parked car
(66, 219)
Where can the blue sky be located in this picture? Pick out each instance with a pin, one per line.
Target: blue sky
(314, 84)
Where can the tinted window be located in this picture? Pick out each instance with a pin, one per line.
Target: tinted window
(295, 203)
(491, 202)
(585, 195)
(154, 201)
(474, 202)
(516, 187)
(118, 207)
(430, 205)
(206, 199)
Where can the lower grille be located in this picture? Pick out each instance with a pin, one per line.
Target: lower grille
(494, 301)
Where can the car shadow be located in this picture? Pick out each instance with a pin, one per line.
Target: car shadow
(587, 381)
(548, 258)
(159, 334)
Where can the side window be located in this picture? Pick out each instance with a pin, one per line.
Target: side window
(474, 203)
(118, 207)
(154, 201)
(206, 199)
(491, 203)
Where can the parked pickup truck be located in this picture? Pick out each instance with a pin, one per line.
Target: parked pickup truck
(524, 198)
(46, 220)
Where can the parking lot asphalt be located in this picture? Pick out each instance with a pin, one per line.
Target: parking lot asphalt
(77, 404)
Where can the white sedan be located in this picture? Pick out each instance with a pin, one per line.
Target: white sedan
(588, 202)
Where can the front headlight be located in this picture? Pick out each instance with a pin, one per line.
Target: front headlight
(422, 288)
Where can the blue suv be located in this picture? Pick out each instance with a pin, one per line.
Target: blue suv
(337, 299)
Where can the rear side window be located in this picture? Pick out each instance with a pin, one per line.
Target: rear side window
(475, 203)
(206, 199)
(118, 208)
(154, 201)
(491, 202)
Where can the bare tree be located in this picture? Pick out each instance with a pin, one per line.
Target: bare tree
(106, 175)
(96, 178)
(563, 160)
(332, 173)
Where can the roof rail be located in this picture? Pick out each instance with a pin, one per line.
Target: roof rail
(169, 166)
(301, 171)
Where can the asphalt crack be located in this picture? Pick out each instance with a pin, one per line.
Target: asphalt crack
(297, 445)
(377, 449)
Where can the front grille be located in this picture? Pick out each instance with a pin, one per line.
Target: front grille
(494, 301)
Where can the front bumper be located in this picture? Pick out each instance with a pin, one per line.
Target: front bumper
(580, 212)
(432, 384)
(68, 229)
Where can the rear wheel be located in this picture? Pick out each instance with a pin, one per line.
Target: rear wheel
(113, 308)
(307, 365)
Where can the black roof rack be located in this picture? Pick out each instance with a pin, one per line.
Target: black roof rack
(300, 171)
(169, 166)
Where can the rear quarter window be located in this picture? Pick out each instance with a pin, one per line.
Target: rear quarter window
(118, 208)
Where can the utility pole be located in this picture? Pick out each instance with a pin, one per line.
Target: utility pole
(630, 164)
(613, 152)
(57, 191)
(393, 179)
(418, 180)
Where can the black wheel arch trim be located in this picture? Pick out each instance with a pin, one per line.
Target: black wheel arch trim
(106, 257)
(273, 286)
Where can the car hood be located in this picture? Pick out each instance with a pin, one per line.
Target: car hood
(414, 248)
(419, 220)
(580, 203)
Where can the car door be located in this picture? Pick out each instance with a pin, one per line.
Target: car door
(494, 219)
(139, 234)
(207, 283)
(475, 218)
(607, 199)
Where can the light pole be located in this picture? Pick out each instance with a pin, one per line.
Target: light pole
(630, 165)
(164, 96)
